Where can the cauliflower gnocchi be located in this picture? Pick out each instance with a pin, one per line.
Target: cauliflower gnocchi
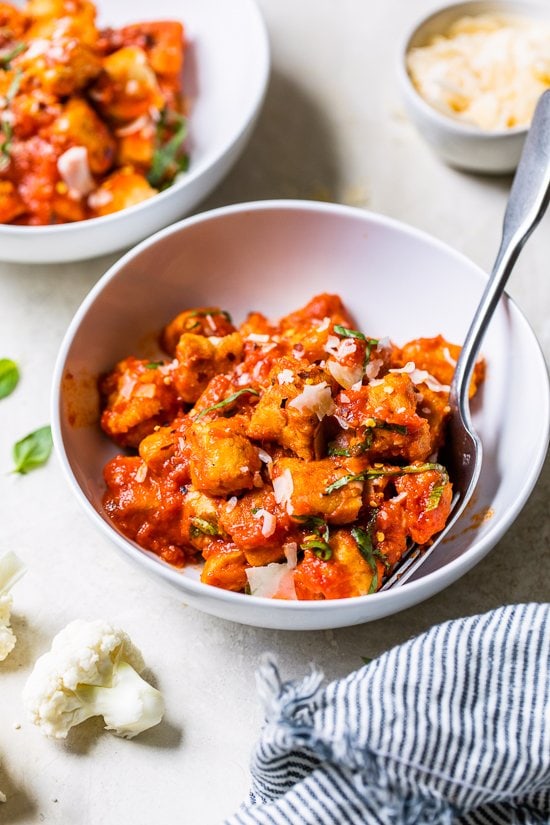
(249, 450)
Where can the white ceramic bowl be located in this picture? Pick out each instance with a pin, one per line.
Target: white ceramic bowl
(225, 76)
(273, 256)
(457, 143)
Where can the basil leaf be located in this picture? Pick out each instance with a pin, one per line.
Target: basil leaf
(9, 376)
(319, 547)
(316, 524)
(152, 365)
(349, 333)
(33, 450)
(227, 401)
(165, 156)
(434, 497)
(203, 313)
(372, 342)
(201, 525)
(6, 129)
(393, 428)
(7, 57)
(361, 447)
(374, 472)
(366, 548)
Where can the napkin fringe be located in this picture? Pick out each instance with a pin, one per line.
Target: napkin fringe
(289, 708)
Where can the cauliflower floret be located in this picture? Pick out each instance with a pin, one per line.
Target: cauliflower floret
(91, 670)
(11, 569)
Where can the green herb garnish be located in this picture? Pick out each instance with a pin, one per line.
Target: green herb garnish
(6, 129)
(371, 342)
(203, 313)
(32, 451)
(358, 449)
(368, 550)
(153, 365)
(9, 376)
(375, 472)
(349, 333)
(318, 541)
(227, 401)
(200, 526)
(167, 158)
(393, 428)
(7, 57)
(434, 496)
(319, 547)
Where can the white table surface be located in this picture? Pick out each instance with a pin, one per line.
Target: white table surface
(332, 128)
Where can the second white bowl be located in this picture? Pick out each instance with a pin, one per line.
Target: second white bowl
(225, 77)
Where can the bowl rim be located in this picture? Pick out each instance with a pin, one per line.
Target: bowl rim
(417, 589)
(261, 76)
(437, 117)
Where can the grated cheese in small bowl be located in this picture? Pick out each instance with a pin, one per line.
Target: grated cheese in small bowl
(486, 70)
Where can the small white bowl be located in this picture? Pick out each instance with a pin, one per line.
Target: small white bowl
(459, 144)
(226, 72)
(274, 256)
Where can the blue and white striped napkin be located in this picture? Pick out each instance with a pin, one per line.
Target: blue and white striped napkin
(450, 728)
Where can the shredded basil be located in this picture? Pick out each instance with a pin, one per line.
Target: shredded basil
(371, 342)
(167, 155)
(368, 550)
(227, 401)
(9, 376)
(393, 428)
(6, 129)
(7, 57)
(349, 333)
(203, 313)
(374, 472)
(204, 527)
(434, 496)
(316, 524)
(33, 450)
(319, 547)
(152, 365)
(358, 449)
(318, 541)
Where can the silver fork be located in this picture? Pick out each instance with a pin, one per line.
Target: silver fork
(529, 197)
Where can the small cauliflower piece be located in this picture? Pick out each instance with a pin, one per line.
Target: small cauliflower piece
(11, 570)
(92, 669)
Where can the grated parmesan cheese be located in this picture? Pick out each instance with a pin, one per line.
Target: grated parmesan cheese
(283, 487)
(269, 522)
(347, 377)
(315, 397)
(422, 377)
(275, 580)
(488, 70)
(285, 377)
(74, 170)
(141, 472)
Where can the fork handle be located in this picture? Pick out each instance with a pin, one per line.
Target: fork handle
(527, 202)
